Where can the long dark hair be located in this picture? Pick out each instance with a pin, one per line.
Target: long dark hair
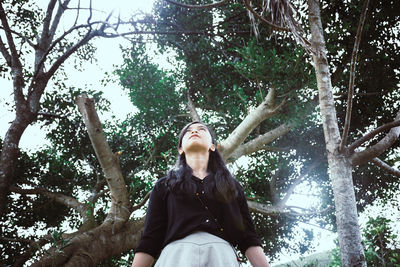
(224, 187)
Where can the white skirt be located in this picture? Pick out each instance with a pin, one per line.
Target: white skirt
(199, 249)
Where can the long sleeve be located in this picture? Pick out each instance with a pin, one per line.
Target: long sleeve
(250, 237)
(155, 224)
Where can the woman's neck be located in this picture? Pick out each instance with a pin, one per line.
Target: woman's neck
(199, 163)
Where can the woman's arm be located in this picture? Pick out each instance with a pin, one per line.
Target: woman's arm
(155, 227)
(256, 257)
(142, 259)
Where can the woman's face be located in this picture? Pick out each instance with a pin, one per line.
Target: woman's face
(196, 138)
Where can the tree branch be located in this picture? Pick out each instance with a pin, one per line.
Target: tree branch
(47, 20)
(386, 167)
(280, 210)
(26, 39)
(217, 4)
(258, 143)
(25, 256)
(15, 57)
(95, 246)
(41, 58)
(264, 111)
(120, 206)
(56, 20)
(274, 26)
(60, 198)
(4, 52)
(16, 66)
(266, 209)
(372, 134)
(192, 109)
(368, 154)
(353, 74)
(144, 200)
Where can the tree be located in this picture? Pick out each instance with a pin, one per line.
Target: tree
(40, 175)
(26, 30)
(341, 159)
(240, 85)
(381, 244)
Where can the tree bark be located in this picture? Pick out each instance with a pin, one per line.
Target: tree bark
(265, 110)
(9, 155)
(340, 167)
(94, 246)
(120, 206)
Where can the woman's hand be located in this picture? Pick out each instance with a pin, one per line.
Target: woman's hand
(142, 259)
(256, 257)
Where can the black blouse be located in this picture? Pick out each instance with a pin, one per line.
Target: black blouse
(171, 216)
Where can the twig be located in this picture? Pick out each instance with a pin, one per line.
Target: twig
(26, 39)
(386, 167)
(274, 26)
(352, 75)
(217, 4)
(144, 200)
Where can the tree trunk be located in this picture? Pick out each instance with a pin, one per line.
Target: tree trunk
(9, 156)
(95, 246)
(340, 167)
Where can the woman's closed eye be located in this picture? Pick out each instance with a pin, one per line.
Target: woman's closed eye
(199, 129)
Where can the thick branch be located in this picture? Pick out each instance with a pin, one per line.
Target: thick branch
(264, 111)
(372, 134)
(217, 4)
(47, 19)
(368, 154)
(120, 207)
(353, 74)
(34, 246)
(60, 198)
(56, 20)
(16, 66)
(259, 142)
(4, 52)
(192, 109)
(386, 167)
(280, 210)
(10, 40)
(94, 246)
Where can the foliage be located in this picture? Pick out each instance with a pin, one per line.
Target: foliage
(226, 75)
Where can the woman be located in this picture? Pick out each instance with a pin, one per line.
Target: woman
(197, 211)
